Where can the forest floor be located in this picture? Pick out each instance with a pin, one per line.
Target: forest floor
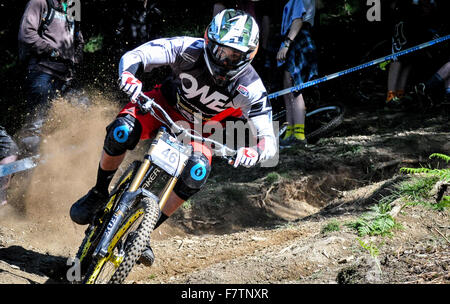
(285, 224)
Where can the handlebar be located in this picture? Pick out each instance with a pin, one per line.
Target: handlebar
(148, 105)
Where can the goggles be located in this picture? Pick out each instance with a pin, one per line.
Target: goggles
(226, 57)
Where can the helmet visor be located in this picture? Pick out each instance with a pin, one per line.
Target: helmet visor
(226, 57)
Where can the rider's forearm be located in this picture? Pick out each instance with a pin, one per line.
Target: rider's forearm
(129, 62)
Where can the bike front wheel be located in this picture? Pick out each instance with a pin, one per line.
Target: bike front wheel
(96, 229)
(126, 245)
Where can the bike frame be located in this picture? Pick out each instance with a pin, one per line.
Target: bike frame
(148, 167)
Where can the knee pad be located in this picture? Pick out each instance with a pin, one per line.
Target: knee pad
(193, 177)
(122, 134)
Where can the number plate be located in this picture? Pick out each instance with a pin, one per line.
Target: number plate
(168, 157)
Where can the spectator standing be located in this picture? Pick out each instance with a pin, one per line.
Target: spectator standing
(50, 44)
(413, 23)
(297, 57)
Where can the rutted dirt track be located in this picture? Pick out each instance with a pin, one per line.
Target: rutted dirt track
(249, 226)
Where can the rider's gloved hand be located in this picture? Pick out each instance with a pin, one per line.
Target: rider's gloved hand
(130, 85)
(247, 157)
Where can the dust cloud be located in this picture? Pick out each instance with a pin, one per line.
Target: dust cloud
(70, 150)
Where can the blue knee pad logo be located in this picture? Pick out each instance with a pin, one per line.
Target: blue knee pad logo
(198, 172)
(121, 133)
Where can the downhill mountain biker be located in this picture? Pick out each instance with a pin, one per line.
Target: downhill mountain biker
(211, 76)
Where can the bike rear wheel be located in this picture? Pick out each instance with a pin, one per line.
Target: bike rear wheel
(318, 122)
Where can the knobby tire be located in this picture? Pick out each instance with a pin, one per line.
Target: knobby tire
(336, 116)
(134, 251)
(94, 231)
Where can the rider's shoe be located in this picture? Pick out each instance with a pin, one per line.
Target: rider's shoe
(84, 210)
(148, 257)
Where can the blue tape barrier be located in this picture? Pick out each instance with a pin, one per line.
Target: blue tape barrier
(19, 165)
(357, 68)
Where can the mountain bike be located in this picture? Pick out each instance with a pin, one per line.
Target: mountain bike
(318, 121)
(115, 240)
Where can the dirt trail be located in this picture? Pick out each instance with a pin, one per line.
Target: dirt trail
(248, 226)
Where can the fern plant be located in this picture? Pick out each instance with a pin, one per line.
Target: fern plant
(377, 221)
(373, 250)
(418, 188)
(442, 174)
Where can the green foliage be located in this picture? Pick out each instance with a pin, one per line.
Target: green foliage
(331, 226)
(445, 203)
(442, 205)
(377, 221)
(384, 65)
(370, 247)
(187, 205)
(373, 250)
(441, 156)
(339, 9)
(350, 150)
(442, 174)
(417, 191)
(94, 44)
(272, 177)
(351, 6)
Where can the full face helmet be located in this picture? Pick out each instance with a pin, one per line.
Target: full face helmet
(231, 43)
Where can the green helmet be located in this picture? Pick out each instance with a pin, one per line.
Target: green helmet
(231, 43)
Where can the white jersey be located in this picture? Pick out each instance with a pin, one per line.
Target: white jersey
(192, 88)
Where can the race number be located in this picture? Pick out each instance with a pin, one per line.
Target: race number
(168, 157)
